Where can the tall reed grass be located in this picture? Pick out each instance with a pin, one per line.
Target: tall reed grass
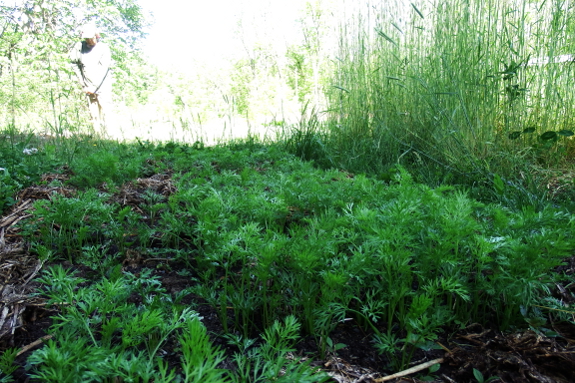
(463, 85)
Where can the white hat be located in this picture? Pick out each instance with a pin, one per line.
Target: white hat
(89, 31)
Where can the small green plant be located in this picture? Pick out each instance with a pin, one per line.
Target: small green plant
(71, 359)
(432, 370)
(7, 366)
(110, 163)
(66, 225)
(60, 284)
(97, 258)
(200, 359)
(269, 362)
(332, 348)
(98, 334)
(480, 379)
(8, 187)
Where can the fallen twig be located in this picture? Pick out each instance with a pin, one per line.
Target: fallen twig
(443, 347)
(43, 304)
(410, 370)
(554, 309)
(34, 344)
(363, 378)
(34, 272)
(158, 260)
(5, 311)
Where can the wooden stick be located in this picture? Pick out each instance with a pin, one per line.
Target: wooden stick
(5, 311)
(158, 259)
(443, 347)
(362, 378)
(34, 272)
(410, 370)
(551, 308)
(42, 304)
(34, 344)
(17, 311)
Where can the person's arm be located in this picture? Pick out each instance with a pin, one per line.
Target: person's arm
(105, 63)
(106, 60)
(74, 57)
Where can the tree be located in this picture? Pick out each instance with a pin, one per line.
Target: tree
(35, 38)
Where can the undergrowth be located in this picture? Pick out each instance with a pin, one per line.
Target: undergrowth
(281, 250)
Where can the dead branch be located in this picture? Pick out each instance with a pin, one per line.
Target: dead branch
(410, 371)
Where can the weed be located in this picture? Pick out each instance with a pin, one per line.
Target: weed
(108, 164)
(480, 379)
(200, 360)
(66, 225)
(269, 362)
(7, 366)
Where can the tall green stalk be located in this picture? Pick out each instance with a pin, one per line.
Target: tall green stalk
(454, 81)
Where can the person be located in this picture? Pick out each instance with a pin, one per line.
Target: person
(91, 59)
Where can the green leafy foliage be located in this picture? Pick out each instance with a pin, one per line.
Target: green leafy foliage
(66, 225)
(7, 365)
(111, 164)
(86, 345)
(200, 359)
(22, 161)
(269, 362)
(280, 248)
(479, 377)
(274, 245)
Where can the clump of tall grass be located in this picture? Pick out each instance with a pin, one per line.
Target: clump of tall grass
(309, 141)
(454, 84)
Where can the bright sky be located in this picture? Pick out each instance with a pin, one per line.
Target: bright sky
(188, 30)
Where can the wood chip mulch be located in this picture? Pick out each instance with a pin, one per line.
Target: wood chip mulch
(17, 267)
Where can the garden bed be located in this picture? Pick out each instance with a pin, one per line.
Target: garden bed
(131, 242)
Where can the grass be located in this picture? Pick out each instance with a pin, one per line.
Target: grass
(450, 91)
(279, 249)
